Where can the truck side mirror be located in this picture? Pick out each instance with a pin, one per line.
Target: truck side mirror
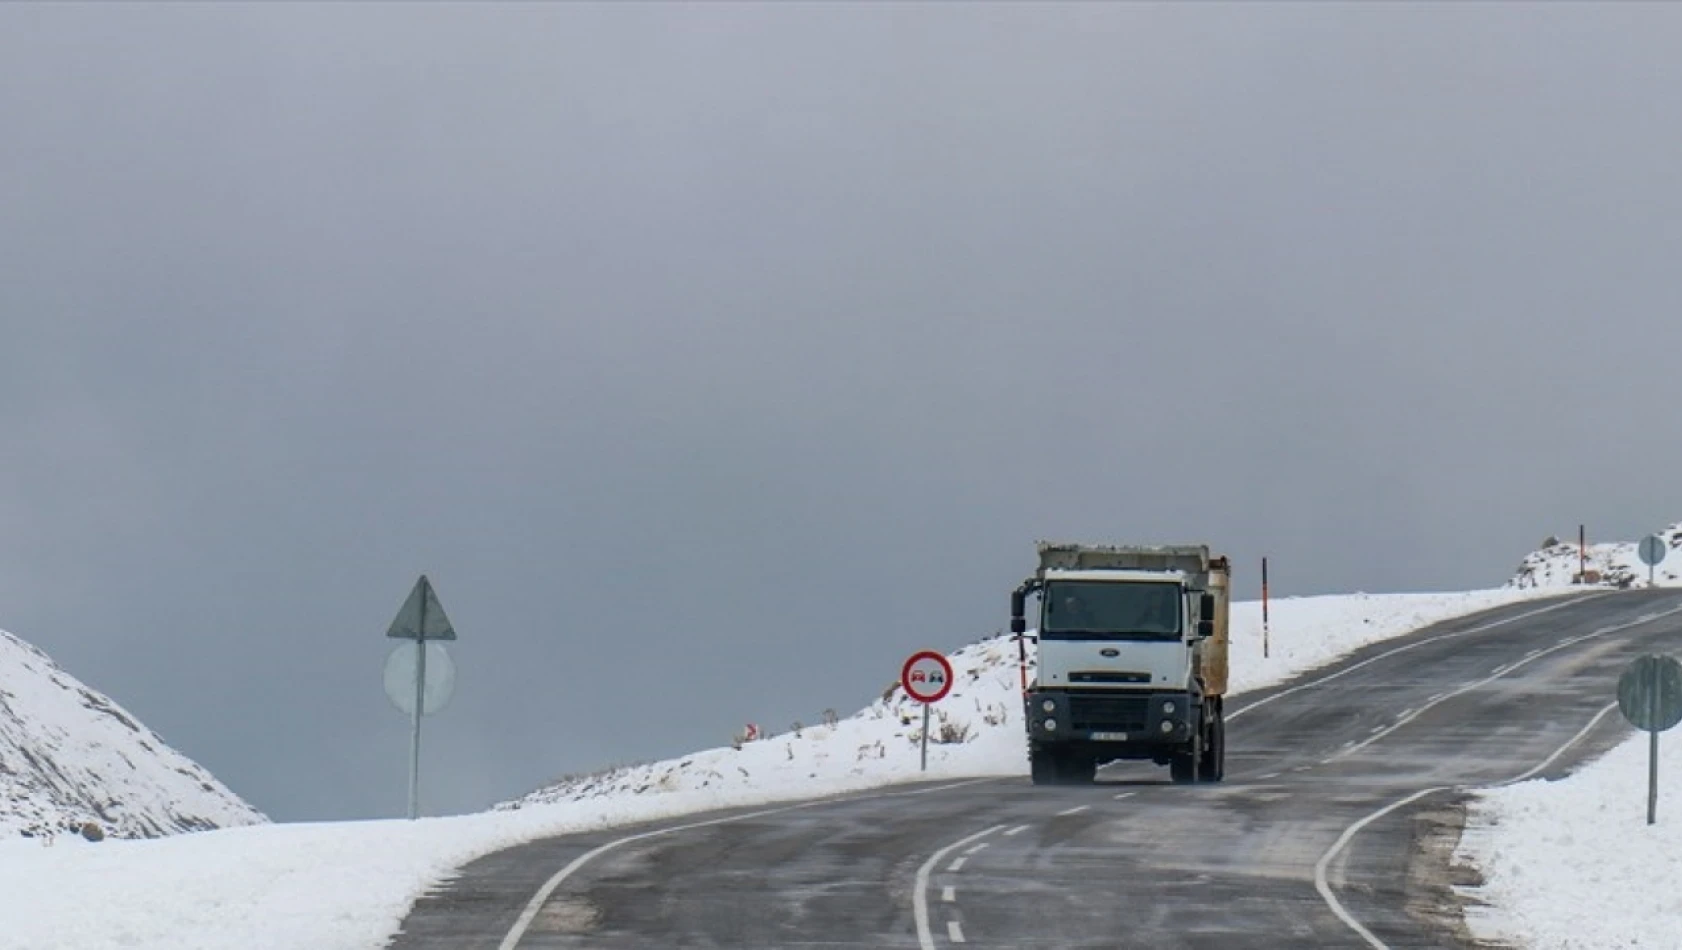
(1207, 606)
(1205, 629)
(1018, 625)
(1018, 607)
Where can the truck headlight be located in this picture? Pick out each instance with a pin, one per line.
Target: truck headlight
(1167, 726)
(1049, 705)
(1168, 708)
(1050, 725)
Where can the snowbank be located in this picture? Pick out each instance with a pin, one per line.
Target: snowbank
(1572, 864)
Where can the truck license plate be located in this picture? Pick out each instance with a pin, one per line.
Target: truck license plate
(1109, 737)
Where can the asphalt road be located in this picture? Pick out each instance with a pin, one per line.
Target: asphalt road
(1334, 828)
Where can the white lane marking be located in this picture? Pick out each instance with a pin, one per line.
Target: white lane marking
(948, 894)
(975, 847)
(1320, 866)
(1016, 831)
(1528, 773)
(954, 932)
(920, 891)
(957, 865)
(535, 905)
(1321, 883)
(1270, 775)
(1413, 714)
(1403, 649)
(925, 791)
(1124, 795)
(1073, 811)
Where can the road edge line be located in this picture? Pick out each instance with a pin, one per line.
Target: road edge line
(1323, 885)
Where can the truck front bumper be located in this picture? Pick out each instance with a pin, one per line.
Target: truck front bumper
(1131, 718)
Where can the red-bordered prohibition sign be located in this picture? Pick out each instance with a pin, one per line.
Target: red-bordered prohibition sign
(926, 677)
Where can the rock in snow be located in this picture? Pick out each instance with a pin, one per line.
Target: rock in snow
(70, 758)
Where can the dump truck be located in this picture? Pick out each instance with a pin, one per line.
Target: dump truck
(1132, 646)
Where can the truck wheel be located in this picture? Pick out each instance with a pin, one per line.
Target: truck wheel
(1044, 768)
(1214, 756)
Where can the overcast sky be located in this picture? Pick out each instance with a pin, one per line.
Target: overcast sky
(712, 358)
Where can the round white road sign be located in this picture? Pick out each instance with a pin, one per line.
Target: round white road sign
(400, 677)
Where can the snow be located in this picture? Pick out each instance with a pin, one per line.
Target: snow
(71, 756)
(1572, 864)
(1607, 564)
(347, 885)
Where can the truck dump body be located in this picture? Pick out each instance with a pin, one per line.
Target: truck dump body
(1202, 572)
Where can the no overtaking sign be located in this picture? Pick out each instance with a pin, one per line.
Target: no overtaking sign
(927, 678)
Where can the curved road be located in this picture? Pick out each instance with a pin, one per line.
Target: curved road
(1334, 827)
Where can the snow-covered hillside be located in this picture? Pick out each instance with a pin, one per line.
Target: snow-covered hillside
(70, 756)
(1614, 564)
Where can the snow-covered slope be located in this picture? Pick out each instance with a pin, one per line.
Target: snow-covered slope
(1616, 564)
(70, 756)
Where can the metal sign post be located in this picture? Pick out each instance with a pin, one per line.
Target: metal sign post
(421, 618)
(927, 678)
(1652, 551)
(1264, 608)
(1650, 697)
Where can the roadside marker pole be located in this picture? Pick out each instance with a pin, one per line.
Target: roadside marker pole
(1264, 608)
(1653, 749)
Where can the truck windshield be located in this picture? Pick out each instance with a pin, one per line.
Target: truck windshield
(1111, 610)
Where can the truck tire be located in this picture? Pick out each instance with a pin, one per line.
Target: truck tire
(1045, 768)
(1182, 768)
(1214, 753)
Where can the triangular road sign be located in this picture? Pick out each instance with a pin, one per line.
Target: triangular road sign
(422, 616)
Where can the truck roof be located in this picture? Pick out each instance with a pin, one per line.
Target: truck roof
(1068, 574)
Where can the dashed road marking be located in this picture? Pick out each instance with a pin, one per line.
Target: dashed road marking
(1017, 830)
(957, 864)
(1124, 795)
(535, 905)
(948, 894)
(1073, 811)
(1403, 649)
(975, 847)
(920, 893)
(1413, 714)
(954, 932)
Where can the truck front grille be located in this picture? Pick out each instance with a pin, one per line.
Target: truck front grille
(1117, 713)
